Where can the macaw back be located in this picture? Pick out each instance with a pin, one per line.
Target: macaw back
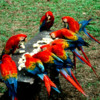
(45, 56)
(9, 73)
(33, 65)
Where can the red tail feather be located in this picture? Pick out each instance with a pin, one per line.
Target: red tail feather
(93, 38)
(89, 64)
(84, 54)
(73, 83)
(47, 84)
(15, 98)
(75, 79)
(51, 83)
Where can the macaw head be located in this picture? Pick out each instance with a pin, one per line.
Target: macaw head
(45, 47)
(5, 57)
(21, 38)
(49, 16)
(27, 56)
(66, 19)
(56, 34)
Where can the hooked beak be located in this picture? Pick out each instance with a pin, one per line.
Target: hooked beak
(26, 39)
(48, 19)
(65, 22)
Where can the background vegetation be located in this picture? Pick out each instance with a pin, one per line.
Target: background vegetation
(23, 16)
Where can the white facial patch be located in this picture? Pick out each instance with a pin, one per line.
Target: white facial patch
(53, 35)
(65, 20)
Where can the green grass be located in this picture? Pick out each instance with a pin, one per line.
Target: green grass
(23, 16)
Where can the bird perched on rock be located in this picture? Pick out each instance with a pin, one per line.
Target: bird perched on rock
(62, 54)
(13, 44)
(9, 73)
(46, 21)
(50, 59)
(35, 66)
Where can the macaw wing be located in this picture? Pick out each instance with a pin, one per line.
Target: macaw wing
(43, 25)
(57, 58)
(68, 60)
(40, 65)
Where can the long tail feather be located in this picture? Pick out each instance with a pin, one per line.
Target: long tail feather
(63, 73)
(93, 38)
(90, 36)
(53, 85)
(77, 54)
(72, 75)
(89, 64)
(48, 83)
(75, 79)
(84, 54)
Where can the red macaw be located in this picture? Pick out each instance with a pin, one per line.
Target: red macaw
(9, 74)
(49, 58)
(13, 43)
(35, 66)
(60, 52)
(70, 35)
(46, 21)
(76, 27)
(67, 45)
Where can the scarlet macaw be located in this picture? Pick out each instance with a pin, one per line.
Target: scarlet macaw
(67, 45)
(72, 37)
(13, 43)
(76, 27)
(46, 21)
(35, 66)
(9, 73)
(50, 59)
(60, 52)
